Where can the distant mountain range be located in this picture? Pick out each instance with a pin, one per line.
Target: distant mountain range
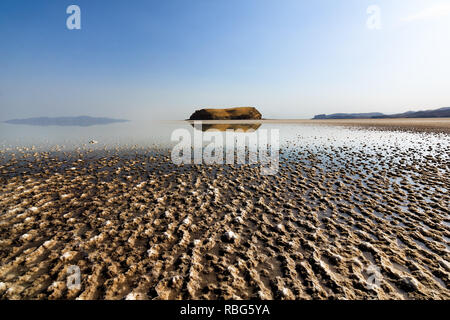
(81, 121)
(437, 113)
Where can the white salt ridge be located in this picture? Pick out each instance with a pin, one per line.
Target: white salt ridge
(230, 235)
(175, 279)
(48, 243)
(11, 290)
(262, 295)
(97, 238)
(232, 270)
(131, 296)
(12, 211)
(54, 285)
(168, 235)
(445, 264)
(68, 255)
(151, 252)
(26, 236)
(239, 220)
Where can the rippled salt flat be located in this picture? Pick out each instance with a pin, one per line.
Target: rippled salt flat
(139, 226)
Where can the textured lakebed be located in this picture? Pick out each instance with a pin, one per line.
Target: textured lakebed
(140, 227)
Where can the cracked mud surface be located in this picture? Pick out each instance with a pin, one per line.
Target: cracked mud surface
(140, 227)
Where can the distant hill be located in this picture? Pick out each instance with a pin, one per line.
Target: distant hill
(349, 115)
(81, 121)
(437, 113)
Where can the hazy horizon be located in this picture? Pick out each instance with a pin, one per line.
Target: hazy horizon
(290, 59)
(187, 118)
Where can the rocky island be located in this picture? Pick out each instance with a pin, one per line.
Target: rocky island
(241, 113)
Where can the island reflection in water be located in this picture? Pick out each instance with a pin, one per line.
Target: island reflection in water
(227, 126)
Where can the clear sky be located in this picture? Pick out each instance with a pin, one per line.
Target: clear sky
(162, 59)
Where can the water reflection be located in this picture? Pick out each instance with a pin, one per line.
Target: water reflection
(228, 126)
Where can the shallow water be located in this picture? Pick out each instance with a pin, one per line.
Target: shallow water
(151, 133)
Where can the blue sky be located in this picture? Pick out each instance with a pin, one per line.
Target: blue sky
(162, 59)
